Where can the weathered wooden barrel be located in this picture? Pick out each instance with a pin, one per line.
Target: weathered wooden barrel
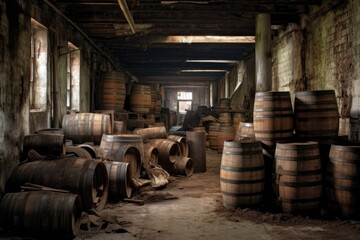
(316, 114)
(224, 103)
(197, 151)
(89, 148)
(273, 118)
(41, 214)
(119, 127)
(184, 148)
(225, 133)
(151, 132)
(167, 149)
(213, 135)
(343, 180)
(238, 118)
(151, 153)
(298, 176)
(245, 130)
(110, 91)
(86, 127)
(114, 141)
(183, 166)
(119, 180)
(50, 131)
(85, 177)
(78, 152)
(44, 144)
(225, 119)
(242, 174)
(140, 98)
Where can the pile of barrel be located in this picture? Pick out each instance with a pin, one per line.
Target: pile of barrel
(292, 160)
(81, 166)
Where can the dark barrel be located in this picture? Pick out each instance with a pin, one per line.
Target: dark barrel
(86, 127)
(119, 180)
(298, 176)
(140, 98)
(343, 180)
(316, 114)
(242, 174)
(197, 150)
(110, 91)
(41, 214)
(85, 177)
(45, 144)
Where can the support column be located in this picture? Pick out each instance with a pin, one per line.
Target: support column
(263, 53)
(227, 76)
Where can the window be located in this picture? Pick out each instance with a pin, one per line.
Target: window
(39, 66)
(73, 78)
(184, 101)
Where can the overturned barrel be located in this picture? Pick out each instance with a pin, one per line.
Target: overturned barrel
(45, 144)
(41, 214)
(85, 177)
(182, 143)
(86, 127)
(167, 149)
(119, 180)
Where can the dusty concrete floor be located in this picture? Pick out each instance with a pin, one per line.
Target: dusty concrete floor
(198, 214)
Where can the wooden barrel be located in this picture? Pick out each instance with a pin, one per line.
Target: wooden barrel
(213, 135)
(140, 98)
(43, 214)
(89, 148)
(151, 132)
(167, 149)
(224, 104)
(225, 119)
(184, 148)
(225, 133)
(298, 176)
(242, 174)
(183, 166)
(85, 177)
(238, 118)
(316, 114)
(110, 91)
(197, 152)
(343, 180)
(151, 153)
(86, 127)
(245, 130)
(273, 118)
(110, 143)
(78, 152)
(119, 180)
(45, 144)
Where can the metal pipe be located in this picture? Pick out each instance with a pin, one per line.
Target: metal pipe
(127, 14)
(89, 39)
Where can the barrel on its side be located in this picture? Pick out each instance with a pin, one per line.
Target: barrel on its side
(316, 114)
(183, 166)
(78, 152)
(298, 176)
(242, 174)
(85, 177)
(167, 149)
(184, 148)
(45, 144)
(151, 153)
(86, 127)
(273, 118)
(119, 180)
(343, 180)
(151, 132)
(41, 214)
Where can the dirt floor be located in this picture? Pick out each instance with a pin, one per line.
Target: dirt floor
(198, 213)
(191, 208)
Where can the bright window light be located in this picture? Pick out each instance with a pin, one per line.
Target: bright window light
(210, 39)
